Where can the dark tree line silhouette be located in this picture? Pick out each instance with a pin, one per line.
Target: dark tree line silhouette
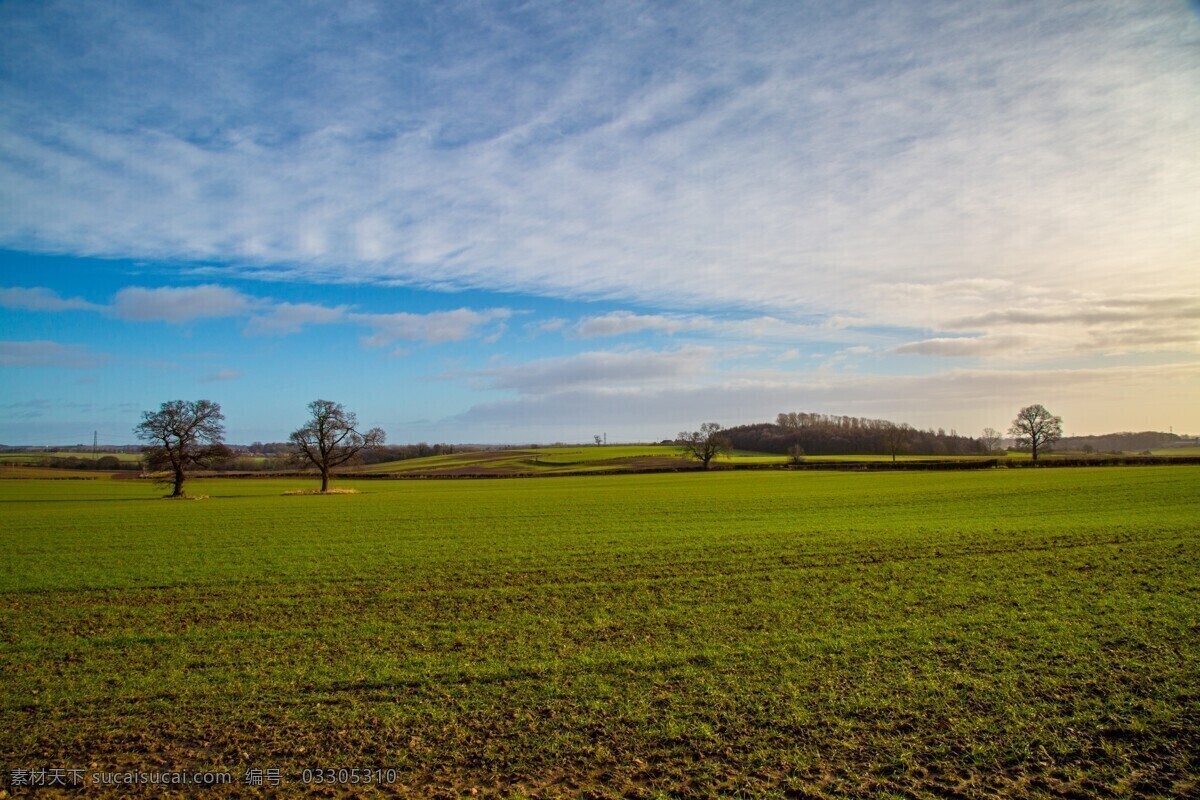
(833, 435)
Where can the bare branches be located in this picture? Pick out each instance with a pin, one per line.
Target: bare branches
(1036, 428)
(705, 444)
(896, 437)
(183, 433)
(331, 438)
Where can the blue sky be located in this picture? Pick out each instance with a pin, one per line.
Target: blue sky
(516, 222)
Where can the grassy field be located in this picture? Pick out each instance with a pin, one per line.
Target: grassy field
(31, 457)
(546, 461)
(760, 634)
(577, 460)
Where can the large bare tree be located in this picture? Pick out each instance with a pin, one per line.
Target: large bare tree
(705, 444)
(331, 437)
(184, 433)
(1036, 428)
(990, 440)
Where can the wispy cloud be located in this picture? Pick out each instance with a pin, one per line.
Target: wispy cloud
(434, 327)
(960, 347)
(763, 157)
(606, 369)
(27, 409)
(618, 323)
(43, 353)
(221, 376)
(288, 318)
(180, 304)
(42, 299)
(756, 328)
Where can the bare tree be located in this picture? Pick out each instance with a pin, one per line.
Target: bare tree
(990, 439)
(598, 439)
(705, 444)
(331, 438)
(184, 433)
(796, 454)
(1036, 428)
(895, 437)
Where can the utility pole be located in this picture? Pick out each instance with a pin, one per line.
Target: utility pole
(93, 445)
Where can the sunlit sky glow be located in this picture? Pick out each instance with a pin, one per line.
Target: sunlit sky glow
(515, 222)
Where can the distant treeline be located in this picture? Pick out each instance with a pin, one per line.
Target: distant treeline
(1120, 442)
(833, 435)
(77, 462)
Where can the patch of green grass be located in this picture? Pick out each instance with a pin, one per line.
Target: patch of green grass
(58, 454)
(608, 458)
(759, 634)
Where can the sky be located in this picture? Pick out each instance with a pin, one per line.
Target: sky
(540, 221)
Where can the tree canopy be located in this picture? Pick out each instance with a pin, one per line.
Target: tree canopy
(705, 444)
(331, 438)
(1036, 428)
(184, 433)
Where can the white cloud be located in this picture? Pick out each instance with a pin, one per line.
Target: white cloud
(761, 158)
(42, 353)
(434, 327)
(42, 299)
(268, 317)
(608, 369)
(182, 304)
(222, 375)
(618, 323)
(552, 325)
(287, 318)
(960, 347)
(754, 328)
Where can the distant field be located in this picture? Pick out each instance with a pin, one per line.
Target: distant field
(541, 460)
(576, 460)
(1177, 451)
(759, 634)
(10, 470)
(39, 457)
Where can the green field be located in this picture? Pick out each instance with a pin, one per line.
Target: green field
(1177, 451)
(1027, 633)
(59, 455)
(585, 459)
(554, 460)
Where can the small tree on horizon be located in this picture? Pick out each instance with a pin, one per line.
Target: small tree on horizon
(330, 438)
(184, 433)
(705, 444)
(1036, 428)
(895, 437)
(990, 439)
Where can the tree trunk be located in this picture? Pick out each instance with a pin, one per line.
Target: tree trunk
(178, 492)
(1034, 442)
(324, 479)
